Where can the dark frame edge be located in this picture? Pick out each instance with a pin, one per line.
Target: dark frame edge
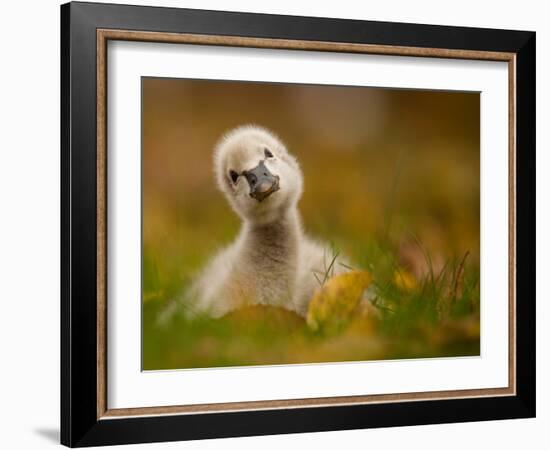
(525, 223)
(78, 226)
(65, 187)
(302, 420)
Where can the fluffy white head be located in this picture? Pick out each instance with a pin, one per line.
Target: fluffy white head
(250, 149)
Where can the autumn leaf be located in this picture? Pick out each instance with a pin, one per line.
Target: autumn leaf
(404, 280)
(334, 303)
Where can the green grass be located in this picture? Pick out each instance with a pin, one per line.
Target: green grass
(437, 316)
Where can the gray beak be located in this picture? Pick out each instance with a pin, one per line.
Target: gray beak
(261, 181)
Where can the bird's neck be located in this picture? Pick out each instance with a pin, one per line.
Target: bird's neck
(277, 240)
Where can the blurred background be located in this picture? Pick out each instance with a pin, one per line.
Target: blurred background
(391, 179)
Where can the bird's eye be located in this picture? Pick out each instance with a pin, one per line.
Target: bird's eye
(267, 153)
(234, 176)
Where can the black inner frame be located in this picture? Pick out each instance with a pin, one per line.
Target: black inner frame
(79, 423)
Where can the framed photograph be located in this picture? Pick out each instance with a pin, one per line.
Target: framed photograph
(277, 224)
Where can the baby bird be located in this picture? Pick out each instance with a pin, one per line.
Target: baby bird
(271, 261)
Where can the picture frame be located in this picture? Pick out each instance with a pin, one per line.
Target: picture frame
(86, 418)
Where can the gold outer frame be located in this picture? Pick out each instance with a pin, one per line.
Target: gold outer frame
(103, 36)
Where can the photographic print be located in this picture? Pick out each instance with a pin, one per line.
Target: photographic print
(293, 223)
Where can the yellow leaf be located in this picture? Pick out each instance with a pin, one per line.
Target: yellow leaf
(404, 280)
(333, 303)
